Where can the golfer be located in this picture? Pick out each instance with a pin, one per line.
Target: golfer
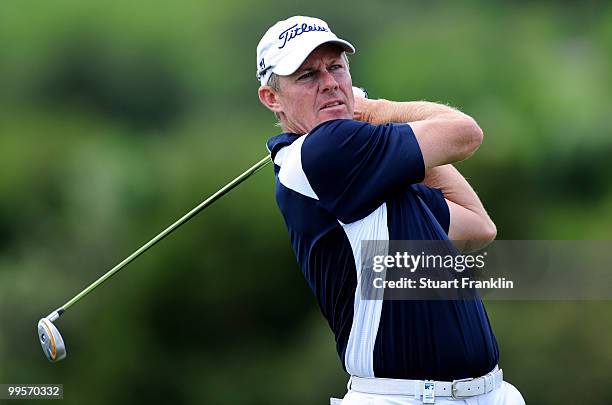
(350, 169)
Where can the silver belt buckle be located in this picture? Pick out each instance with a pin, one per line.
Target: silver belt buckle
(454, 388)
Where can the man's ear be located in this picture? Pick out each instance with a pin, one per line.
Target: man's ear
(269, 98)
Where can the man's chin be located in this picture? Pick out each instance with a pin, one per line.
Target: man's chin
(335, 113)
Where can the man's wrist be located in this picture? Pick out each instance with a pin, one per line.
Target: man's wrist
(379, 111)
(383, 111)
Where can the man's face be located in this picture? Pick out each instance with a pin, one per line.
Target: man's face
(320, 90)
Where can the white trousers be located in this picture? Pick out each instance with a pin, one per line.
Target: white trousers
(506, 394)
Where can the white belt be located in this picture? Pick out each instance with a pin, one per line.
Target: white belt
(465, 387)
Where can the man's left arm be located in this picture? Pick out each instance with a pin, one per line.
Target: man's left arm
(470, 228)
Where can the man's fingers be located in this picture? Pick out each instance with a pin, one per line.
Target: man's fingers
(360, 92)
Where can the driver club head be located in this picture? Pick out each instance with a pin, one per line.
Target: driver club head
(51, 341)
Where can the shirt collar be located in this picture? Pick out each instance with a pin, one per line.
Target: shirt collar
(278, 142)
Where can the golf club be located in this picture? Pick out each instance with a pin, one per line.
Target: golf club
(51, 340)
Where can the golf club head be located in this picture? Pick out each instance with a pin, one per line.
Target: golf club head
(51, 341)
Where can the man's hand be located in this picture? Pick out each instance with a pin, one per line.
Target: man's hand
(363, 109)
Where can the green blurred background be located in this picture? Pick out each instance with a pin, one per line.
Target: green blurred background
(117, 118)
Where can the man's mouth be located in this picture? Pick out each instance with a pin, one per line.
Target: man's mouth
(332, 104)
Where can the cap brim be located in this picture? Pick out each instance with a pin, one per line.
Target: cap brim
(294, 60)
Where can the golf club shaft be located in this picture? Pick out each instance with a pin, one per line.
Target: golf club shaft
(252, 170)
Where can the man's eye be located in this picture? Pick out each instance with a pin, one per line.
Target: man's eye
(305, 76)
(334, 67)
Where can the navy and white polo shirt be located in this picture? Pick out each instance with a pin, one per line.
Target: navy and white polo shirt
(348, 181)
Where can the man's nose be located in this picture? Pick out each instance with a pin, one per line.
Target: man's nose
(328, 81)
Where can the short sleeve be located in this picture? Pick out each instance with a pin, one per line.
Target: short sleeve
(435, 201)
(353, 166)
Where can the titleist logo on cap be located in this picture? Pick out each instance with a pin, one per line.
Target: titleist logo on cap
(293, 32)
(278, 52)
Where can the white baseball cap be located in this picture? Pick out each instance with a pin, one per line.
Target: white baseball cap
(287, 44)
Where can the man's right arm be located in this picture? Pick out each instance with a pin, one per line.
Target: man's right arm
(445, 135)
